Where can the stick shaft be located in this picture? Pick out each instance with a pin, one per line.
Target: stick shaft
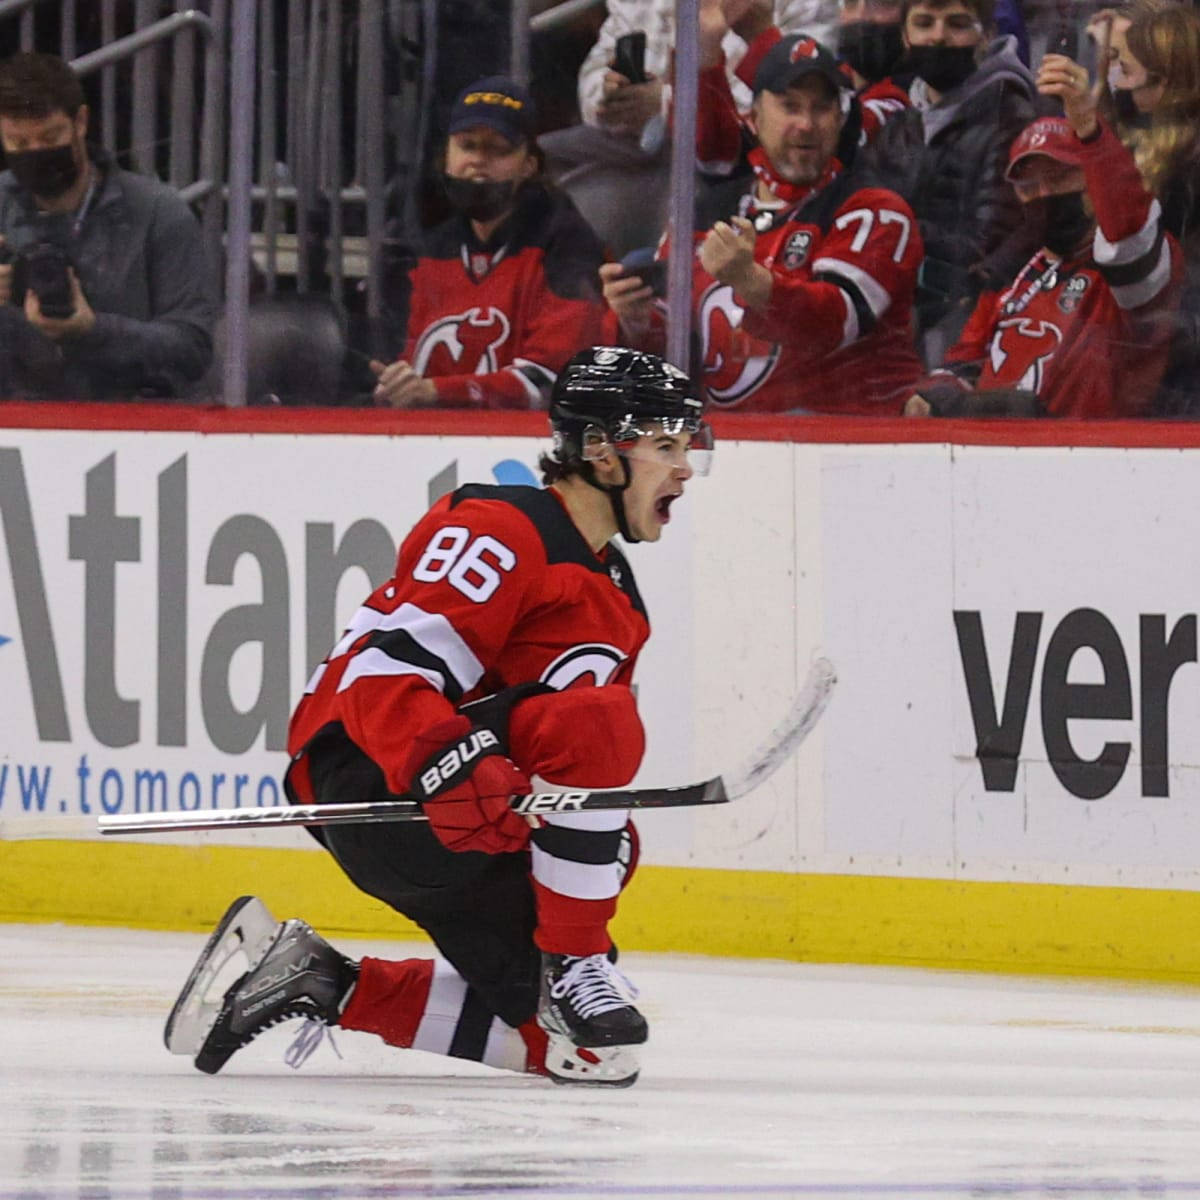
(804, 713)
(711, 791)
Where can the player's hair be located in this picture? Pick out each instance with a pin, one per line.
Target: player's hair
(34, 85)
(552, 470)
(1167, 44)
(984, 10)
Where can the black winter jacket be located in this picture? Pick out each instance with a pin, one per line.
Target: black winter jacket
(948, 161)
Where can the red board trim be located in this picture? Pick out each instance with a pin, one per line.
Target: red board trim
(187, 418)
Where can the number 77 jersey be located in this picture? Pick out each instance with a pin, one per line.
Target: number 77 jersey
(494, 586)
(836, 334)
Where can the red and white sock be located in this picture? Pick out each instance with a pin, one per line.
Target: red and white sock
(424, 1004)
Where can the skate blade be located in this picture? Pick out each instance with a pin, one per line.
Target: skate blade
(247, 929)
(596, 1066)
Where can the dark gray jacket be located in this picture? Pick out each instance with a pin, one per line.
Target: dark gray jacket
(139, 255)
(948, 161)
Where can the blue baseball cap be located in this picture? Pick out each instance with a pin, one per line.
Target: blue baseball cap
(497, 102)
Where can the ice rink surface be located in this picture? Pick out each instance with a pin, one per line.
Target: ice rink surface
(760, 1079)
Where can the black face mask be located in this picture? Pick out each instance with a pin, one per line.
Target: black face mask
(480, 199)
(46, 173)
(1068, 223)
(942, 67)
(871, 49)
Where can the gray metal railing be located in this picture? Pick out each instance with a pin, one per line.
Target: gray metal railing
(190, 156)
(241, 166)
(293, 113)
(560, 14)
(182, 140)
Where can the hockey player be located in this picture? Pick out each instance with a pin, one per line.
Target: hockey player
(502, 291)
(803, 283)
(1084, 328)
(502, 650)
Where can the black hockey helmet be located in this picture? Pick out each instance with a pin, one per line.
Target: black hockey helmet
(610, 396)
(615, 391)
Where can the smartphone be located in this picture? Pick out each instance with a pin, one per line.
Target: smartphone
(650, 270)
(629, 58)
(1064, 39)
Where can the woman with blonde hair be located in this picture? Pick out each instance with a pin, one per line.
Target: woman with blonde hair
(1158, 70)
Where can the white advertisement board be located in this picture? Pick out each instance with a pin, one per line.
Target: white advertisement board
(164, 598)
(1014, 630)
(1016, 633)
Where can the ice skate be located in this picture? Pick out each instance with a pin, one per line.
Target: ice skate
(286, 970)
(593, 1028)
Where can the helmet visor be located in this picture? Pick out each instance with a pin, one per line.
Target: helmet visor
(678, 441)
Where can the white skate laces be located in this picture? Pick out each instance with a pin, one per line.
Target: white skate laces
(312, 1033)
(594, 986)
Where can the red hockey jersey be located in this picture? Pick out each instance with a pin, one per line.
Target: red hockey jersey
(1089, 335)
(492, 325)
(837, 334)
(494, 586)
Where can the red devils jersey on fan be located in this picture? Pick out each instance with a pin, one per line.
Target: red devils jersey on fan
(494, 586)
(1090, 335)
(492, 325)
(836, 336)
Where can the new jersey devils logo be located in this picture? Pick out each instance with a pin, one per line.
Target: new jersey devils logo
(735, 364)
(465, 343)
(1020, 350)
(594, 664)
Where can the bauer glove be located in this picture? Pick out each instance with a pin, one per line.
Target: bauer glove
(462, 780)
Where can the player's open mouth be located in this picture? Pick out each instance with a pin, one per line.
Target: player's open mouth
(663, 507)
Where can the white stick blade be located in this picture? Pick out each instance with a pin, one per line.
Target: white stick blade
(785, 738)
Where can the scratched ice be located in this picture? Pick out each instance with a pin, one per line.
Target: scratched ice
(761, 1079)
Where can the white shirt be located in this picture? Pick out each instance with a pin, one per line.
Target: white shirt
(656, 18)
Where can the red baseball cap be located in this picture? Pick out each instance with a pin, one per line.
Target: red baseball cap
(1049, 137)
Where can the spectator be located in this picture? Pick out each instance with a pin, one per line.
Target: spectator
(501, 292)
(1158, 70)
(869, 44)
(803, 296)
(615, 164)
(105, 291)
(604, 97)
(1084, 328)
(947, 153)
(1107, 30)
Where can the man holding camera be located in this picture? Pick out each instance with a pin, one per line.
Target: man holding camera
(105, 289)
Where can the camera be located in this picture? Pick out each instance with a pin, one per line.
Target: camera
(45, 270)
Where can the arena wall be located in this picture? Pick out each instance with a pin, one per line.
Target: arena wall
(1008, 777)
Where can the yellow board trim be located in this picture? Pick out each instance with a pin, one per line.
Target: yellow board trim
(1010, 927)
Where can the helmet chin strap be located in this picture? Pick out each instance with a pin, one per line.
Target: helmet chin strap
(616, 496)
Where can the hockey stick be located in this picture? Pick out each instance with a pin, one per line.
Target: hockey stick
(783, 740)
